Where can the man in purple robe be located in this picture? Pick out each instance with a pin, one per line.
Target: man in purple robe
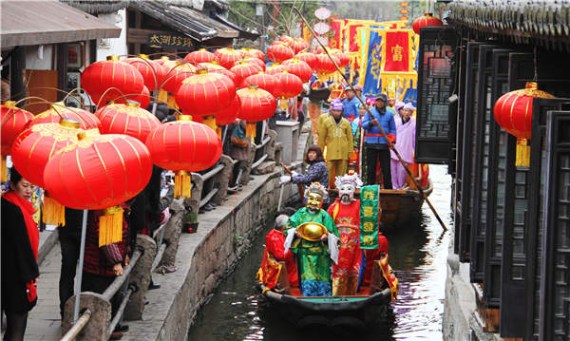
(406, 143)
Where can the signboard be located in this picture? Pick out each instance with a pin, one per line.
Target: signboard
(158, 40)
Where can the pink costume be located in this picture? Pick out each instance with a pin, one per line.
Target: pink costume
(405, 144)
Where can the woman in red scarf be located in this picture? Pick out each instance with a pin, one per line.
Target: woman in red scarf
(20, 240)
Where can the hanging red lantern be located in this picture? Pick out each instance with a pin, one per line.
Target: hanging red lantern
(31, 151)
(148, 70)
(204, 94)
(58, 111)
(178, 72)
(254, 53)
(275, 68)
(229, 114)
(143, 98)
(99, 172)
(129, 119)
(285, 38)
(110, 80)
(427, 20)
(290, 86)
(184, 146)
(255, 105)
(343, 59)
(299, 45)
(200, 56)
(243, 70)
(325, 64)
(256, 61)
(227, 56)
(279, 53)
(513, 113)
(14, 121)
(299, 68)
(264, 81)
(309, 58)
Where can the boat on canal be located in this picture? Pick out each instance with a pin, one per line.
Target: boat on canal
(364, 310)
(401, 205)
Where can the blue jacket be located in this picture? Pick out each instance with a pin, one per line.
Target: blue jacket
(372, 132)
(350, 107)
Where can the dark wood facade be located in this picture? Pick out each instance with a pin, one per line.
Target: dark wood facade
(512, 225)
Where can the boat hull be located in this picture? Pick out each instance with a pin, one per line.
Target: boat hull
(357, 313)
(400, 206)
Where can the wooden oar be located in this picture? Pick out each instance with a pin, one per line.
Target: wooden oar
(390, 144)
(299, 186)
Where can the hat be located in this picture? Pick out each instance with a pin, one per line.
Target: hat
(358, 87)
(312, 231)
(382, 97)
(337, 105)
(399, 105)
(347, 179)
(409, 106)
(348, 88)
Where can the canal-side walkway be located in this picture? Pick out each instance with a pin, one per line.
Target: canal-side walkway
(202, 261)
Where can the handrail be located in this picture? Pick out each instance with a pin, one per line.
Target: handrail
(208, 197)
(120, 311)
(263, 143)
(78, 326)
(158, 257)
(120, 280)
(259, 161)
(213, 172)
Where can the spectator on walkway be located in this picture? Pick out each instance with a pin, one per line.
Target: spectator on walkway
(240, 152)
(376, 144)
(335, 134)
(20, 243)
(406, 144)
(69, 237)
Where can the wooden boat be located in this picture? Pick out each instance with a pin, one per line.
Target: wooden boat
(401, 205)
(369, 307)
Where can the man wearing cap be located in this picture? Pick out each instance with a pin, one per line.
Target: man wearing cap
(350, 104)
(313, 249)
(406, 128)
(335, 133)
(376, 143)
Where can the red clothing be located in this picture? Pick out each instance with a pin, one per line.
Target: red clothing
(274, 244)
(372, 255)
(347, 220)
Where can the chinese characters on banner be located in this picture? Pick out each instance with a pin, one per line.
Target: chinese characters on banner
(369, 200)
(397, 52)
(169, 40)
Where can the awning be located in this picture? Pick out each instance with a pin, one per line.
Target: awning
(185, 20)
(27, 23)
(242, 32)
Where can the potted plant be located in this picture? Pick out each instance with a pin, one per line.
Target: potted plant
(190, 222)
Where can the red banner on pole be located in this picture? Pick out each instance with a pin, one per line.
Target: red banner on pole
(397, 52)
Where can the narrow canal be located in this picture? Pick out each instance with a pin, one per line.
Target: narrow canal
(417, 255)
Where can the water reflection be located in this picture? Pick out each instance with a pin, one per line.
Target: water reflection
(418, 255)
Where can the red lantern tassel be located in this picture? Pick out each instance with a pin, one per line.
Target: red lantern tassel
(53, 212)
(4, 176)
(250, 128)
(523, 153)
(283, 103)
(111, 226)
(210, 121)
(219, 131)
(182, 184)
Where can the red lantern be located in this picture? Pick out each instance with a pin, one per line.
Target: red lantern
(200, 56)
(110, 80)
(243, 70)
(129, 119)
(32, 150)
(58, 111)
(229, 114)
(227, 56)
(285, 39)
(275, 68)
(299, 45)
(14, 120)
(325, 64)
(204, 94)
(290, 86)
(513, 113)
(256, 61)
(254, 53)
(255, 105)
(278, 53)
(264, 81)
(143, 99)
(227, 73)
(148, 70)
(427, 20)
(184, 146)
(299, 68)
(99, 172)
(343, 59)
(309, 58)
(178, 72)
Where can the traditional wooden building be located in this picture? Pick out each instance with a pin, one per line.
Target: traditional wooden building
(512, 222)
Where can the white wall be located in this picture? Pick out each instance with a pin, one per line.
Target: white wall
(113, 46)
(39, 57)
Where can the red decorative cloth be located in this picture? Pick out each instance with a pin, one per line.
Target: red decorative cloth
(27, 211)
(372, 255)
(274, 244)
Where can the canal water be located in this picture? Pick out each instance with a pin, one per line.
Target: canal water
(418, 256)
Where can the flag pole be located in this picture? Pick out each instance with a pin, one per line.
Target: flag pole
(390, 144)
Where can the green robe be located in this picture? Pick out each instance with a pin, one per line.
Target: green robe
(313, 261)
